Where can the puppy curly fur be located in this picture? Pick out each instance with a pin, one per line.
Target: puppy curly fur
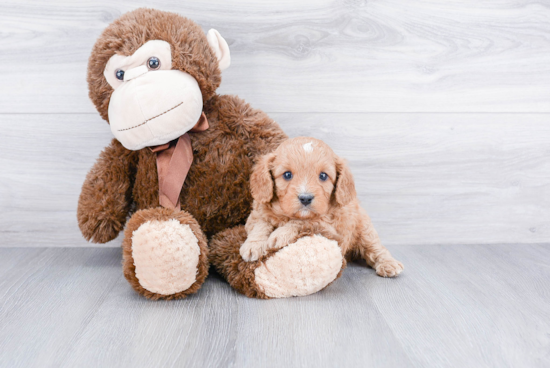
(279, 216)
(216, 191)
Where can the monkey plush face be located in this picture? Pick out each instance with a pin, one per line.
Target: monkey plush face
(151, 103)
(155, 80)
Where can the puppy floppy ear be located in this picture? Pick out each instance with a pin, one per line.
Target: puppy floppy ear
(344, 192)
(261, 182)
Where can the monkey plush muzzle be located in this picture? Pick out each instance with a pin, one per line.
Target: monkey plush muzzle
(154, 108)
(151, 103)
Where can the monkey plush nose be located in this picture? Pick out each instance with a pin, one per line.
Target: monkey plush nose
(306, 199)
(135, 72)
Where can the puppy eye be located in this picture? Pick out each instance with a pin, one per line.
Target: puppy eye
(323, 176)
(287, 175)
(119, 74)
(153, 62)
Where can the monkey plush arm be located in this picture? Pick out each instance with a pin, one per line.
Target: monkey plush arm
(105, 198)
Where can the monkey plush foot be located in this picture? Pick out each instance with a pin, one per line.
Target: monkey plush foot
(165, 253)
(301, 268)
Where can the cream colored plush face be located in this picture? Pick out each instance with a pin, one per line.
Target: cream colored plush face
(151, 106)
(154, 105)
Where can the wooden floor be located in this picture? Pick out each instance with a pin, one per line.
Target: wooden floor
(454, 306)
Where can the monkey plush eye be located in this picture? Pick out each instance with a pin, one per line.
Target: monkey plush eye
(287, 175)
(119, 74)
(153, 62)
(323, 176)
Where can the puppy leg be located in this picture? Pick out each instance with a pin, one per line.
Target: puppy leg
(255, 245)
(284, 235)
(294, 230)
(376, 255)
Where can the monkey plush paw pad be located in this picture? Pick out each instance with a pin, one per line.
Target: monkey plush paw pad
(300, 268)
(166, 256)
(389, 268)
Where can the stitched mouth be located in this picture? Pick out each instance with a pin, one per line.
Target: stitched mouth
(154, 117)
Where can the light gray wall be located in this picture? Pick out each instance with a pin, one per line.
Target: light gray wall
(442, 108)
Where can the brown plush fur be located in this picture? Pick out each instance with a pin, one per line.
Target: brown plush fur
(224, 255)
(278, 217)
(163, 214)
(216, 190)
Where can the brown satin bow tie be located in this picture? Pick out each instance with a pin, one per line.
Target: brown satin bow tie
(174, 160)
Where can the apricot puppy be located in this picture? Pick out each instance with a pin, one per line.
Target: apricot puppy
(304, 185)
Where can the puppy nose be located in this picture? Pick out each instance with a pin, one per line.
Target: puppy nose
(305, 199)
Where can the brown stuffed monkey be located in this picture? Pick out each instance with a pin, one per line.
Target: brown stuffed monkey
(178, 169)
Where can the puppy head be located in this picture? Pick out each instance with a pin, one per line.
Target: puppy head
(304, 176)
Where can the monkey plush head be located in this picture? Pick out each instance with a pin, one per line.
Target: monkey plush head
(150, 73)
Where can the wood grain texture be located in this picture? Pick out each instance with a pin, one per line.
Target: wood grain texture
(47, 297)
(457, 155)
(454, 306)
(424, 178)
(306, 56)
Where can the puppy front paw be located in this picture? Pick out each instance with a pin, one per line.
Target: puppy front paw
(389, 268)
(252, 250)
(281, 237)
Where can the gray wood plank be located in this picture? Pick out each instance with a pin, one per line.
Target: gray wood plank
(477, 300)
(130, 331)
(307, 56)
(424, 178)
(444, 178)
(455, 305)
(47, 299)
(338, 327)
(50, 156)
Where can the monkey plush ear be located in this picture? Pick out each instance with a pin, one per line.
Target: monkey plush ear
(261, 183)
(220, 47)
